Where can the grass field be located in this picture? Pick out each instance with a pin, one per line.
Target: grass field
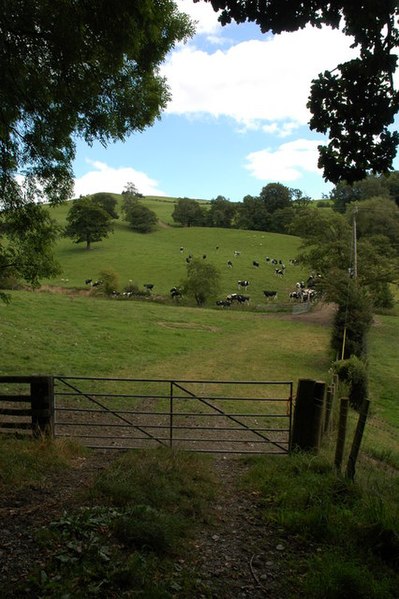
(347, 528)
(156, 258)
(52, 333)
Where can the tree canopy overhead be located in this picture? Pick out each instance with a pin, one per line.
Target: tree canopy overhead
(87, 69)
(355, 103)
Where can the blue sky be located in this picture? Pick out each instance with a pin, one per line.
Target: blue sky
(236, 122)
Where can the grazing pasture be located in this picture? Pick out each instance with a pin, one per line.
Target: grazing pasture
(157, 257)
(52, 333)
(47, 333)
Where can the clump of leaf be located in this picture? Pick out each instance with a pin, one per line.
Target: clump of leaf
(353, 372)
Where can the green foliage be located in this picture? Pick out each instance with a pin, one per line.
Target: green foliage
(327, 248)
(125, 548)
(133, 289)
(353, 371)
(50, 96)
(355, 103)
(108, 202)
(28, 236)
(273, 210)
(145, 528)
(87, 222)
(203, 281)
(140, 218)
(131, 191)
(109, 282)
(372, 186)
(332, 575)
(352, 322)
(162, 479)
(188, 213)
(26, 461)
(356, 539)
(221, 213)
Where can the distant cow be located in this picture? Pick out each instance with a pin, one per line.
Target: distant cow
(224, 303)
(279, 272)
(229, 264)
(88, 281)
(149, 286)
(256, 264)
(243, 283)
(296, 295)
(237, 297)
(242, 298)
(175, 293)
(270, 294)
(236, 253)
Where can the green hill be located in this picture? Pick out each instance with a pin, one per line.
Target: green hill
(156, 257)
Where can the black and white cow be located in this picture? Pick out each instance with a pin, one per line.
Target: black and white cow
(255, 263)
(270, 294)
(241, 299)
(242, 283)
(175, 293)
(223, 303)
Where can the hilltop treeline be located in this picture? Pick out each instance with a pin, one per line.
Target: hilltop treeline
(275, 208)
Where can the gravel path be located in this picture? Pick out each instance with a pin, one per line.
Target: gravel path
(237, 556)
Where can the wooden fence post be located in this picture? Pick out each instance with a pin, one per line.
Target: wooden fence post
(329, 407)
(319, 393)
(42, 403)
(306, 430)
(350, 469)
(343, 416)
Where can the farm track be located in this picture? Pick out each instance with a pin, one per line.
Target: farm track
(237, 556)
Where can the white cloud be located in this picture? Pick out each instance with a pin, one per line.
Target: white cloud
(203, 15)
(257, 81)
(288, 163)
(113, 180)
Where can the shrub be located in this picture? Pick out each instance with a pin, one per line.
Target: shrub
(133, 289)
(109, 282)
(353, 372)
(351, 323)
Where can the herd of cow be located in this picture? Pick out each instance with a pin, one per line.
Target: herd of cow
(304, 292)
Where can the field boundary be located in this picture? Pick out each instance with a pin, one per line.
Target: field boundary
(204, 416)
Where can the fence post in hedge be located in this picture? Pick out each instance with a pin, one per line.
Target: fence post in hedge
(350, 469)
(318, 413)
(343, 417)
(329, 406)
(42, 405)
(306, 430)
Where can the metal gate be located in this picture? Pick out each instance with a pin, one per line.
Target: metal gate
(205, 416)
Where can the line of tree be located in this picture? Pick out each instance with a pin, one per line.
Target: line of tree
(273, 210)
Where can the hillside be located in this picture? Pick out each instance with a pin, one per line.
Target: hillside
(156, 257)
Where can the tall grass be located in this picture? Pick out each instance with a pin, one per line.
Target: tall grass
(354, 526)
